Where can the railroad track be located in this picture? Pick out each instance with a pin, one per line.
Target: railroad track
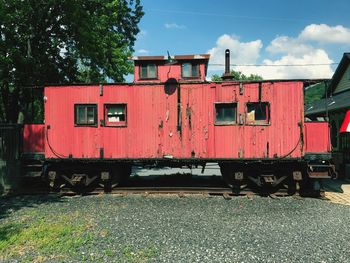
(180, 191)
(157, 187)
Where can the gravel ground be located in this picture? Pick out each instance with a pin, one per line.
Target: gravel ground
(198, 229)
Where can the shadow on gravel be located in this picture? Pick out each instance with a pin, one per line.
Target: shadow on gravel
(11, 204)
(337, 186)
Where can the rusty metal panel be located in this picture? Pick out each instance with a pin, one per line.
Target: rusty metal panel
(175, 123)
(151, 123)
(196, 120)
(34, 138)
(64, 139)
(317, 139)
(151, 130)
(281, 137)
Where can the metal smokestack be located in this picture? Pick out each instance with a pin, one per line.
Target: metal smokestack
(227, 61)
(227, 75)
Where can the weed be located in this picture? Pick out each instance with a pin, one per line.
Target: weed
(41, 237)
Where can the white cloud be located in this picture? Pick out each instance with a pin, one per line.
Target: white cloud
(174, 26)
(142, 51)
(277, 69)
(323, 33)
(241, 52)
(285, 44)
(293, 58)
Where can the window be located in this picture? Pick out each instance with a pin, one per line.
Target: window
(115, 114)
(189, 70)
(148, 71)
(85, 114)
(258, 113)
(225, 113)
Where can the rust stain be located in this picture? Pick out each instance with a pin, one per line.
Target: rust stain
(150, 131)
(206, 133)
(189, 116)
(167, 115)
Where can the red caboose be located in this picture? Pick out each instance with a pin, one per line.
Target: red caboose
(172, 116)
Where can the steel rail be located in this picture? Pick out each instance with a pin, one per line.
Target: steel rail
(181, 191)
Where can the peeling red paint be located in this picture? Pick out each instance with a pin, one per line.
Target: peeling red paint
(152, 130)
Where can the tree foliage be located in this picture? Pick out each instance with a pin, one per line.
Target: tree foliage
(314, 93)
(63, 41)
(237, 75)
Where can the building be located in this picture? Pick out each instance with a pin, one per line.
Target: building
(334, 106)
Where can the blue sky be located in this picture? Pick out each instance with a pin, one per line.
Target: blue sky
(268, 32)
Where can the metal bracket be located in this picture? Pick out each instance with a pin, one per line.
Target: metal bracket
(105, 176)
(297, 176)
(239, 176)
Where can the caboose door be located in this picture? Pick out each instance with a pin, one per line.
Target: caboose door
(195, 112)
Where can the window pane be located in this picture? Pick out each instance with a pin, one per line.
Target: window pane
(257, 112)
(152, 71)
(186, 70)
(226, 112)
(116, 113)
(90, 115)
(143, 71)
(148, 71)
(85, 114)
(194, 70)
(81, 115)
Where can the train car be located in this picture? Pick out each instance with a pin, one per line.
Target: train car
(171, 116)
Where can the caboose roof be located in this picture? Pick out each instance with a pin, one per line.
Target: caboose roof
(176, 57)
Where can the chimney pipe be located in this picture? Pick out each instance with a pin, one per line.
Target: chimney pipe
(227, 61)
(227, 75)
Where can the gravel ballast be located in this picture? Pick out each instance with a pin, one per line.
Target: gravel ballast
(167, 228)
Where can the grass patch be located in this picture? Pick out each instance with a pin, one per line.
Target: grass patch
(40, 238)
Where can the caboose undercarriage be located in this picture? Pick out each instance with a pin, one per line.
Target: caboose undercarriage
(273, 175)
(261, 175)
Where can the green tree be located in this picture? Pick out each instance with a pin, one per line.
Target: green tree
(63, 41)
(314, 93)
(237, 75)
